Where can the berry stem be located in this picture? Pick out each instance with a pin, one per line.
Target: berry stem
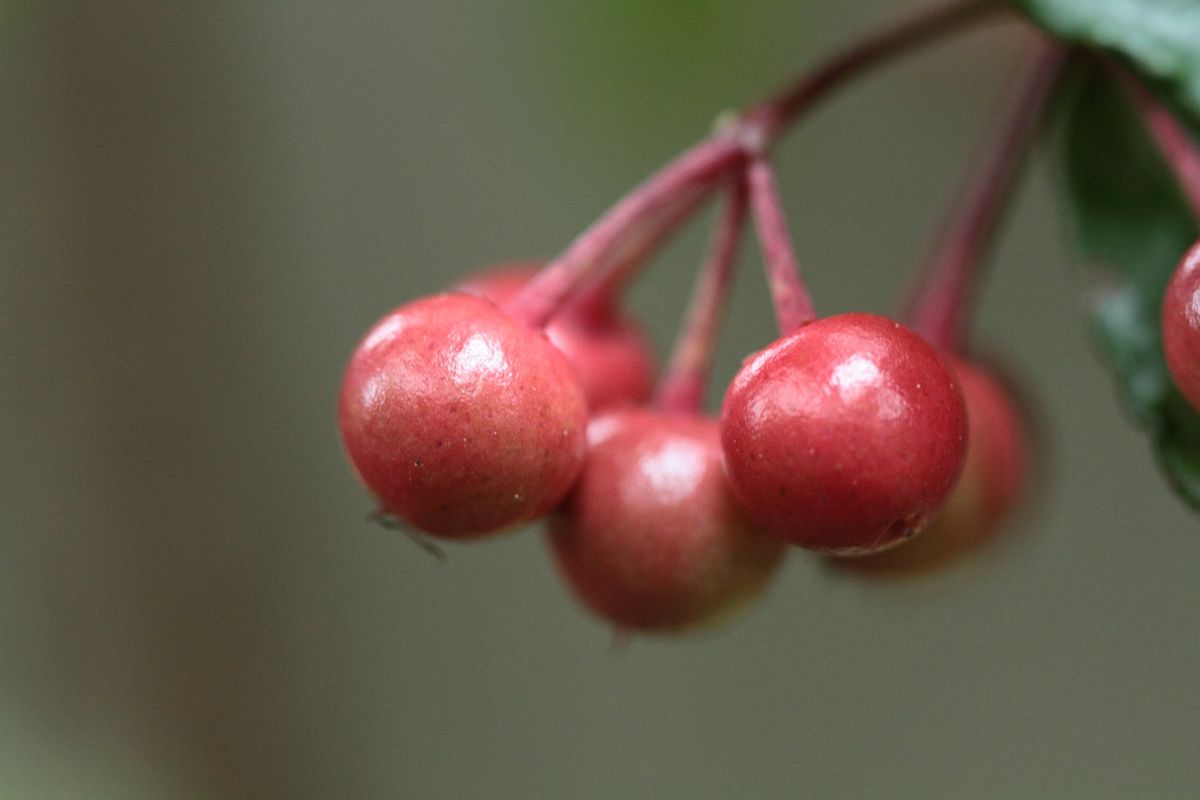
(940, 308)
(697, 168)
(1172, 138)
(789, 295)
(599, 291)
(702, 168)
(683, 387)
(774, 116)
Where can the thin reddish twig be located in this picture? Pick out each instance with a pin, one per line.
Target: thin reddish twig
(706, 164)
(683, 387)
(1172, 138)
(941, 305)
(793, 305)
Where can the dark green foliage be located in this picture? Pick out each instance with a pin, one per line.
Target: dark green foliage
(1132, 226)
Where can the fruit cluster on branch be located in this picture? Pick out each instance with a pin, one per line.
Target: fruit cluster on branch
(887, 446)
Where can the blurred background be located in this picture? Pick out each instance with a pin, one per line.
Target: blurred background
(204, 205)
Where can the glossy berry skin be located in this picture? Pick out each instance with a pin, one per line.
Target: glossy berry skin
(611, 352)
(845, 436)
(461, 420)
(1181, 326)
(652, 538)
(987, 493)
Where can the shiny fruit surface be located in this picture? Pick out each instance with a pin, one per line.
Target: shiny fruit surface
(845, 436)
(652, 538)
(611, 352)
(992, 484)
(461, 420)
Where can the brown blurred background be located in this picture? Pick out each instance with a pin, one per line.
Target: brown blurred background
(203, 205)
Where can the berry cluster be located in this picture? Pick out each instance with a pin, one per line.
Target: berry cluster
(526, 391)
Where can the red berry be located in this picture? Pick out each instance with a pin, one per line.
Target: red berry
(610, 351)
(1181, 326)
(845, 436)
(461, 420)
(652, 538)
(992, 482)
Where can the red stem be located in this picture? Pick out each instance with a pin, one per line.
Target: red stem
(789, 295)
(941, 306)
(682, 388)
(773, 116)
(706, 164)
(697, 168)
(600, 290)
(1173, 139)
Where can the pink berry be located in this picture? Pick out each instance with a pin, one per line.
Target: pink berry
(652, 538)
(845, 436)
(611, 352)
(461, 420)
(987, 493)
(1181, 326)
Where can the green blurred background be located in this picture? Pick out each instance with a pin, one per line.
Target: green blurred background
(204, 205)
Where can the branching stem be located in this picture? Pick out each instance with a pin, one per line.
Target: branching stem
(702, 168)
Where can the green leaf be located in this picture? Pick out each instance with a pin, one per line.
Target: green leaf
(1133, 226)
(1161, 38)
